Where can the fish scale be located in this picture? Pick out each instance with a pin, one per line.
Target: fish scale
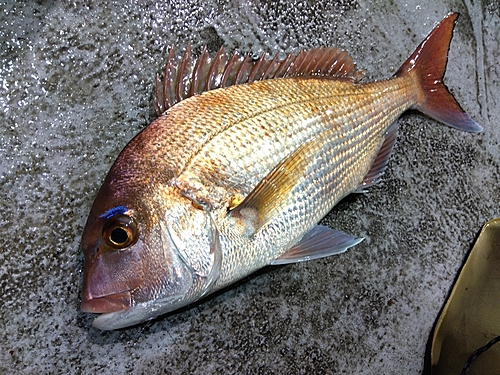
(318, 108)
(243, 162)
(349, 121)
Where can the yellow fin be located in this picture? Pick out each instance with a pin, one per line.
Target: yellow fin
(273, 190)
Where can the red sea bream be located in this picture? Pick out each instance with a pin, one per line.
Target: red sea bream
(244, 160)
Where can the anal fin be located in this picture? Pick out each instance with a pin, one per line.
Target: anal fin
(379, 166)
(319, 242)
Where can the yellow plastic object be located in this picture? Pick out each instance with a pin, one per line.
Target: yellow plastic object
(471, 316)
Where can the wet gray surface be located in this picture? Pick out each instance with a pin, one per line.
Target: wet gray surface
(76, 81)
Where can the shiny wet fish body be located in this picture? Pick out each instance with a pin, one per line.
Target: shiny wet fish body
(239, 168)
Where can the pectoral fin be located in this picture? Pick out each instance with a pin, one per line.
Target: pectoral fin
(273, 190)
(319, 242)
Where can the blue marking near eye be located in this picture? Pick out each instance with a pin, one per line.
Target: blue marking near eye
(114, 211)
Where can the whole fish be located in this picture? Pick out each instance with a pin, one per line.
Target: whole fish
(245, 159)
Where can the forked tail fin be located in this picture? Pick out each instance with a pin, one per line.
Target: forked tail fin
(428, 64)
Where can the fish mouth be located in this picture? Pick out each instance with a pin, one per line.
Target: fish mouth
(130, 316)
(107, 304)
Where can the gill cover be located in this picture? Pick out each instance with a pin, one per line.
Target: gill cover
(196, 239)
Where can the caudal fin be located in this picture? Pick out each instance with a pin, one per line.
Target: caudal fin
(428, 64)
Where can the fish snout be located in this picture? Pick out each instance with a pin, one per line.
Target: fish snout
(109, 279)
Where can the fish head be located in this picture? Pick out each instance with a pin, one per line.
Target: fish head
(148, 250)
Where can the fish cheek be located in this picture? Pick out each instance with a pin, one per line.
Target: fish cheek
(114, 272)
(167, 278)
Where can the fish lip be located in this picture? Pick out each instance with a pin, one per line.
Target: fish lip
(107, 304)
(137, 314)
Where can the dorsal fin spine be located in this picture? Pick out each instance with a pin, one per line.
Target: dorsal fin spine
(267, 73)
(202, 82)
(306, 68)
(185, 76)
(168, 77)
(160, 99)
(227, 69)
(246, 60)
(320, 61)
(331, 61)
(281, 66)
(180, 86)
(255, 69)
(195, 76)
(212, 73)
(292, 68)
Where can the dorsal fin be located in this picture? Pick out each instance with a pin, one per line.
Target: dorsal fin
(185, 76)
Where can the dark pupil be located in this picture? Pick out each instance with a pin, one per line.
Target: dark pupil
(119, 236)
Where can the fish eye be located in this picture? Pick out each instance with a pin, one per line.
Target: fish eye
(120, 231)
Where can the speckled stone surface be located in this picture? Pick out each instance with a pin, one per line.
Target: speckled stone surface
(76, 81)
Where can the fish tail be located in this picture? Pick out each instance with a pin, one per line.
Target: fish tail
(427, 66)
